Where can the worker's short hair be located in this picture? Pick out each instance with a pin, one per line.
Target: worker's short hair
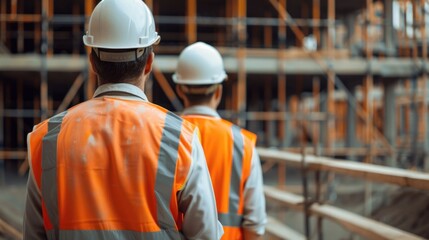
(118, 72)
(198, 98)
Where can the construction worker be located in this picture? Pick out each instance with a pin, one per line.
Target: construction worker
(234, 165)
(118, 166)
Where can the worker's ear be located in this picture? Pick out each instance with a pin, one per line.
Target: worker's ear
(91, 61)
(180, 92)
(149, 62)
(218, 94)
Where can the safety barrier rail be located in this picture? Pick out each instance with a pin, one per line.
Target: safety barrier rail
(355, 223)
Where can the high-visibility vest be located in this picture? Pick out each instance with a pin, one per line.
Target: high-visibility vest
(111, 169)
(228, 150)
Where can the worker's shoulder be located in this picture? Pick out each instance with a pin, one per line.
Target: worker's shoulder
(248, 134)
(173, 117)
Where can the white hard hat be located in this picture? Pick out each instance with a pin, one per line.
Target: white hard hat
(121, 24)
(199, 64)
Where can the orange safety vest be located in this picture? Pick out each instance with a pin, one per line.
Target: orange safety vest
(228, 150)
(111, 169)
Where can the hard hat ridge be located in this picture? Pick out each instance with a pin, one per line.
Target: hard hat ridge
(199, 64)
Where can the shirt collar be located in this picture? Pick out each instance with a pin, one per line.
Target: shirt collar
(120, 89)
(201, 110)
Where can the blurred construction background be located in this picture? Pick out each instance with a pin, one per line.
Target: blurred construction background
(346, 80)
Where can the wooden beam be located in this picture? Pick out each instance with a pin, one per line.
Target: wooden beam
(281, 76)
(191, 26)
(331, 24)
(2, 132)
(285, 198)
(286, 16)
(366, 171)
(10, 231)
(20, 105)
(3, 23)
(165, 86)
(316, 125)
(365, 227)
(424, 126)
(78, 82)
(316, 20)
(281, 231)
(241, 56)
(18, 154)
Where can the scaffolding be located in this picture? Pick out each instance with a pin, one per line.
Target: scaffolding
(330, 77)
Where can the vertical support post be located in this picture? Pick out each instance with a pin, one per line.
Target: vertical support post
(305, 193)
(50, 40)
(316, 21)
(20, 118)
(331, 24)
(1, 115)
(281, 75)
(91, 82)
(368, 86)
(425, 87)
(76, 30)
(389, 123)
(3, 23)
(351, 119)
(415, 21)
(2, 132)
(37, 30)
(13, 8)
(43, 69)
(191, 26)
(330, 141)
(330, 98)
(388, 28)
(318, 199)
(241, 56)
(268, 36)
(20, 39)
(316, 128)
(269, 124)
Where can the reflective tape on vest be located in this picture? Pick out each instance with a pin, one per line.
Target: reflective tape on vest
(49, 170)
(237, 167)
(166, 170)
(230, 219)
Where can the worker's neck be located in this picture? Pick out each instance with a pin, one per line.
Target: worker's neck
(138, 82)
(209, 105)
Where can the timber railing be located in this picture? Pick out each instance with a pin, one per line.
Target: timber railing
(353, 222)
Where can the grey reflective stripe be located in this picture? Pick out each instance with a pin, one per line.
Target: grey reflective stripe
(230, 219)
(115, 234)
(237, 163)
(49, 171)
(167, 160)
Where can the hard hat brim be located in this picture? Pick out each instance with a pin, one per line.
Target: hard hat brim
(178, 81)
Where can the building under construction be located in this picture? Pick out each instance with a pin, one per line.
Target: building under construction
(339, 79)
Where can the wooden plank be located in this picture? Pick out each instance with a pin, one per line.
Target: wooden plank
(18, 154)
(285, 198)
(366, 171)
(277, 229)
(71, 93)
(363, 226)
(165, 86)
(191, 27)
(9, 230)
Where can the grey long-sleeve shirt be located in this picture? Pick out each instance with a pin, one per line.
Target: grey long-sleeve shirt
(196, 200)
